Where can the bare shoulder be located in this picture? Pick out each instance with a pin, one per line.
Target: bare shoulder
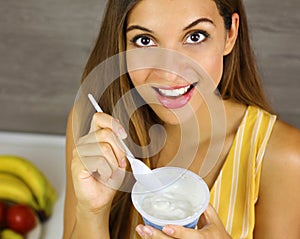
(282, 156)
(279, 194)
(283, 151)
(285, 141)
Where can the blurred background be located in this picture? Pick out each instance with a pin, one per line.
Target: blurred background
(44, 46)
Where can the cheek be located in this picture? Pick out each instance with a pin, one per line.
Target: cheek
(138, 77)
(212, 64)
(214, 68)
(139, 80)
(137, 68)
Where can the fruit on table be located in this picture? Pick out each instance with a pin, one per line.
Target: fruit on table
(3, 209)
(43, 195)
(14, 189)
(20, 218)
(10, 234)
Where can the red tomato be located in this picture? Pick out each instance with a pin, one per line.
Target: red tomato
(3, 209)
(20, 218)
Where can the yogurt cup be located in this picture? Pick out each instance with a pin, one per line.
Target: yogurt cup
(181, 200)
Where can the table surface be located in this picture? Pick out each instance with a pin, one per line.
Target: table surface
(48, 154)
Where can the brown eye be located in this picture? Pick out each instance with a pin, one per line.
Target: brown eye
(196, 37)
(143, 41)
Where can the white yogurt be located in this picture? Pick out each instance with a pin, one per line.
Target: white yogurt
(174, 203)
(168, 206)
(182, 200)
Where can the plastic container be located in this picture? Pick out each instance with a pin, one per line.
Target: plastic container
(181, 200)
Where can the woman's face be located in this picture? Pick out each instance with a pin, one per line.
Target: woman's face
(193, 28)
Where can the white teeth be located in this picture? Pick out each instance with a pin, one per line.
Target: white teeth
(175, 92)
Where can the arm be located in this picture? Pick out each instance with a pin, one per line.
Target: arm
(87, 201)
(75, 221)
(278, 207)
(70, 199)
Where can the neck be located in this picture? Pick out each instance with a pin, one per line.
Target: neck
(194, 126)
(198, 143)
(185, 140)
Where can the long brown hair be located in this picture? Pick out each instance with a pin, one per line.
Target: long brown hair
(240, 82)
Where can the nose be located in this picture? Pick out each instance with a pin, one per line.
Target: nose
(168, 67)
(166, 75)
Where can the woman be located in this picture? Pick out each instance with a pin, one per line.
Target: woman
(253, 183)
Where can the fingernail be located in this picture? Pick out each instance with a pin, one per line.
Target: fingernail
(140, 231)
(123, 163)
(122, 133)
(147, 231)
(168, 230)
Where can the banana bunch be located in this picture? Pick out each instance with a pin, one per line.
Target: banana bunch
(10, 234)
(22, 182)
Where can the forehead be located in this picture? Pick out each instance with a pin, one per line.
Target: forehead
(154, 12)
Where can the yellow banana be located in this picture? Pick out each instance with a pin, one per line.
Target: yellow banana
(10, 234)
(15, 190)
(38, 183)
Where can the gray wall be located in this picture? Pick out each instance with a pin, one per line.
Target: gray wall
(275, 28)
(44, 46)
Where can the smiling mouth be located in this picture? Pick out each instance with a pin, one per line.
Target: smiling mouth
(174, 92)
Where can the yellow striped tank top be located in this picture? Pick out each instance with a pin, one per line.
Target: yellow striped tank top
(236, 188)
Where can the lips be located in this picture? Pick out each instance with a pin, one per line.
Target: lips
(175, 97)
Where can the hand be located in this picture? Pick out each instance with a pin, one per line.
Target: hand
(98, 165)
(212, 229)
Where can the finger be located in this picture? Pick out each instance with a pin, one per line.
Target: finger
(202, 221)
(85, 167)
(104, 136)
(106, 173)
(103, 120)
(97, 150)
(181, 232)
(79, 172)
(86, 185)
(211, 216)
(93, 149)
(98, 165)
(147, 232)
(100, 135)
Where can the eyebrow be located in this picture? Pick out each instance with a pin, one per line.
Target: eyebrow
(194, 23)
(133, 27)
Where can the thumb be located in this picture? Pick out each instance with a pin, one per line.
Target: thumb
(211, 216)
(84, 174)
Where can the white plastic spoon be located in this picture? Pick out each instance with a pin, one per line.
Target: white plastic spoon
(142, 173)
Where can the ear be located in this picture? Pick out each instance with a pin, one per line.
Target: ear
(232, 34)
